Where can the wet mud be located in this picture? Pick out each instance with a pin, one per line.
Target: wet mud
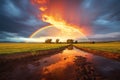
(68, 64)
(114, 56)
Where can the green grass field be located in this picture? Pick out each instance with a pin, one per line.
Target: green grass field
(10, 48)
(113, 47)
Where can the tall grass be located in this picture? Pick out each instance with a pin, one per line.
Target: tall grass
(113, 47)
(10, 48)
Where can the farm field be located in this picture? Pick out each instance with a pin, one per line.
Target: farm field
(112, 47)
(57, 59)
(11, 48)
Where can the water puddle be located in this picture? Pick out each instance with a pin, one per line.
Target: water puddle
(61, 67)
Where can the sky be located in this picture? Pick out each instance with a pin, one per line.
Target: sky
(100, 19)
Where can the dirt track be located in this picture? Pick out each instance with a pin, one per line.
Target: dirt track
(114, 56)
(69, 64)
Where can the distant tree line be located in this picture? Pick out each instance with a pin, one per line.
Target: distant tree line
(69, 41)
(48, 40)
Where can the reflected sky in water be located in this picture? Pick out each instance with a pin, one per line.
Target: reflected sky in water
(61, 66)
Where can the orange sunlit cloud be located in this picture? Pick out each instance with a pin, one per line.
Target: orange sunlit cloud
(58, 15)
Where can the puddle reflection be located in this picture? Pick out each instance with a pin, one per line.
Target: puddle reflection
(61, 66)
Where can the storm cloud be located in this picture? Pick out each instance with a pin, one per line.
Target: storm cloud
(18, 18)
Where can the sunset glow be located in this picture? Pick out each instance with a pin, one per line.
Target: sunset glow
(55, 17)
(59, 39)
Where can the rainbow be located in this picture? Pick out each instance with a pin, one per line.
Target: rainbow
(39, 30)
(43, 28)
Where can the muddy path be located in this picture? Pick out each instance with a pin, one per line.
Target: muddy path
(110, 55)
(70, 64)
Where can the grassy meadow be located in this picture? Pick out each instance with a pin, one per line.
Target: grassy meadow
(10, 48)
(112, 47)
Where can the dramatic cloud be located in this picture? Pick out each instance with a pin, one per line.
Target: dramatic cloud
(109, 35)
(14, 37)
(19, 18)
(106, 37)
